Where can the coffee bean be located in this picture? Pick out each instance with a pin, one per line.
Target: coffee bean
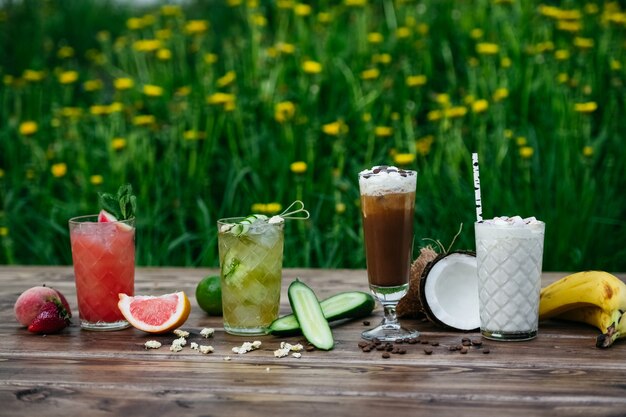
(413, 341)
(366, 323)
(428, 351)
(486, 351)
(386, 355)
(464, 350)
(363, 343)
(402, 351)
(477, 342)
(466, 343)
(424, 342)
(380, 347)
(367, 349)
(434, 343)
(376, 341)
(309, 348)
(452, 349)
(466, 339)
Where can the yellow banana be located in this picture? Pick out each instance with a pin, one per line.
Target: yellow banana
(594, 297)
(588, 288)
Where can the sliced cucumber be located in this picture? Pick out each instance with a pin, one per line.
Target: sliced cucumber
(309, 314)
(345, 305)
(234, 269)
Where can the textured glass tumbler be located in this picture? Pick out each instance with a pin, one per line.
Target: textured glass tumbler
(103, 255)
(251, 269)
(509, 279)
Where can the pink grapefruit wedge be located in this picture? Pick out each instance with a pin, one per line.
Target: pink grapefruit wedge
(158, 314)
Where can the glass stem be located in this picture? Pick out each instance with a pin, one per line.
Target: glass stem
(390, 317)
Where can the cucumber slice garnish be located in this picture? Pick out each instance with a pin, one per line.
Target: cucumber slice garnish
(234, 269)
(309, 314)
(345, 305)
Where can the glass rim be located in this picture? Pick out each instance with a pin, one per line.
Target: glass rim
(484, 223)
(364, 173)
(85, 219)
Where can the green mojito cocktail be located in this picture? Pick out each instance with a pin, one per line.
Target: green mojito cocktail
(251, 259)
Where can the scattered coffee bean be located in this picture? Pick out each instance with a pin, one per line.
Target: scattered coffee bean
(380, 347)
(486, 351)
(402, 351)
(428, 351)
(362, 344)
(386, 355)
(367, 348)
(413, 341)
(452, 349)
(459, 347)
(434, 343)
(477, 342)
(424, 342)
(366, 323)
(466, 343)
(376, 341)
(389, 348)
(464, 350)
(465, 339)
(309, 348)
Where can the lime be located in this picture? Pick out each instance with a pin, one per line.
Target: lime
(209, 295)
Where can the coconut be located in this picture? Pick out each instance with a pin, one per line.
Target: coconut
(410, 305)
(448, 291)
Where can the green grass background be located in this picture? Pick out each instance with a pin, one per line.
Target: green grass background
(195, 162)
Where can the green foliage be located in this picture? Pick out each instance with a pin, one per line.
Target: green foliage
(235, 107)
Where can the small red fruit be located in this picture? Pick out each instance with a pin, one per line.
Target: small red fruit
(51, 318)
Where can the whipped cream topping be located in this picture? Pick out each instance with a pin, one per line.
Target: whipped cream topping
(383, 179)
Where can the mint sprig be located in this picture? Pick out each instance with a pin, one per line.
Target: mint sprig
(122, 205)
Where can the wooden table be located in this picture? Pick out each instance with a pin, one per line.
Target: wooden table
(85, 373)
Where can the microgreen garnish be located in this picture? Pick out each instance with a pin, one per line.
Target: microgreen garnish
(122, 205)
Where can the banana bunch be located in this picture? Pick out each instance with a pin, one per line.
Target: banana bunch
(593, 297)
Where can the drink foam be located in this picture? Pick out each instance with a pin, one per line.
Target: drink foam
(383, 179)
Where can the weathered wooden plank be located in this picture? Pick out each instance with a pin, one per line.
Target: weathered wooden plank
(90, 373)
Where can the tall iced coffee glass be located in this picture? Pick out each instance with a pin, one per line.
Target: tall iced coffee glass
(509, 253)
(387, 207)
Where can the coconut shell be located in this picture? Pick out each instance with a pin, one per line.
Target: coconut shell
(410, 305)
(423, 302)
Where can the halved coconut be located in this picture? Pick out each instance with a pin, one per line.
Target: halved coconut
(449, 290)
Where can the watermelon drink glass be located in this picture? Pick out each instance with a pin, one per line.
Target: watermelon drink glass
(251, 259)
(103, 254)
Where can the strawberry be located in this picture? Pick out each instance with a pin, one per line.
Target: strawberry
(52, 317)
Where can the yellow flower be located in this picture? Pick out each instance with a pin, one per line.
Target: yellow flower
(33, 76)
(367, 117)
(443, 99)
(335, 128)
(434, 115)
(480, 106)
(183, 91)
(99, 109)
(58, 170)
(171, 10)
(415, 80)
(526, 152)
(561, 54)
(403, 158)
(284, 111)
(324, 17)
(259, 20)
(375, 37)
(583, 43)
(370, 74)
(147, 45)
(116, 107)
(152, 90)
(92, 85)
(403, 32)
(476, 33)
(568, 26)
(340, 208)
(500, 94)
(233, 3)
(302, 9)
(616, 65)
(285, 48)
(395, 115)
(195, 27)
(355, 3)
(210, 58)
(423, 29)
(298, 167)
(542, 47)
(4, 231)
(469, 99)
(423, 145)
(588, 151)
(588, 107)
(1, 173)
(259, 208)
(71, 112)
(68, 77)
(65, 52)
(311, 67)
(383, 131)
(562, 78)
(486, 48)
(508, 133)
(28, 128)
(506, 62)
(521, 141)
(144, 120)
(226, 79)
(164, 54)
(273, 208)
(117, 144)
(193, 135)
(220, 98)
(163, 34)
(96, 179)
(123, 83)
(381, 59)
(456, 111)
(134, 23)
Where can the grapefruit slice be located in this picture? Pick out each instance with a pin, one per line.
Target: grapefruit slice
(158, 314)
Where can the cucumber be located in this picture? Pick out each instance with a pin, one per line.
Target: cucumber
(307, 310)
(345, 305)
